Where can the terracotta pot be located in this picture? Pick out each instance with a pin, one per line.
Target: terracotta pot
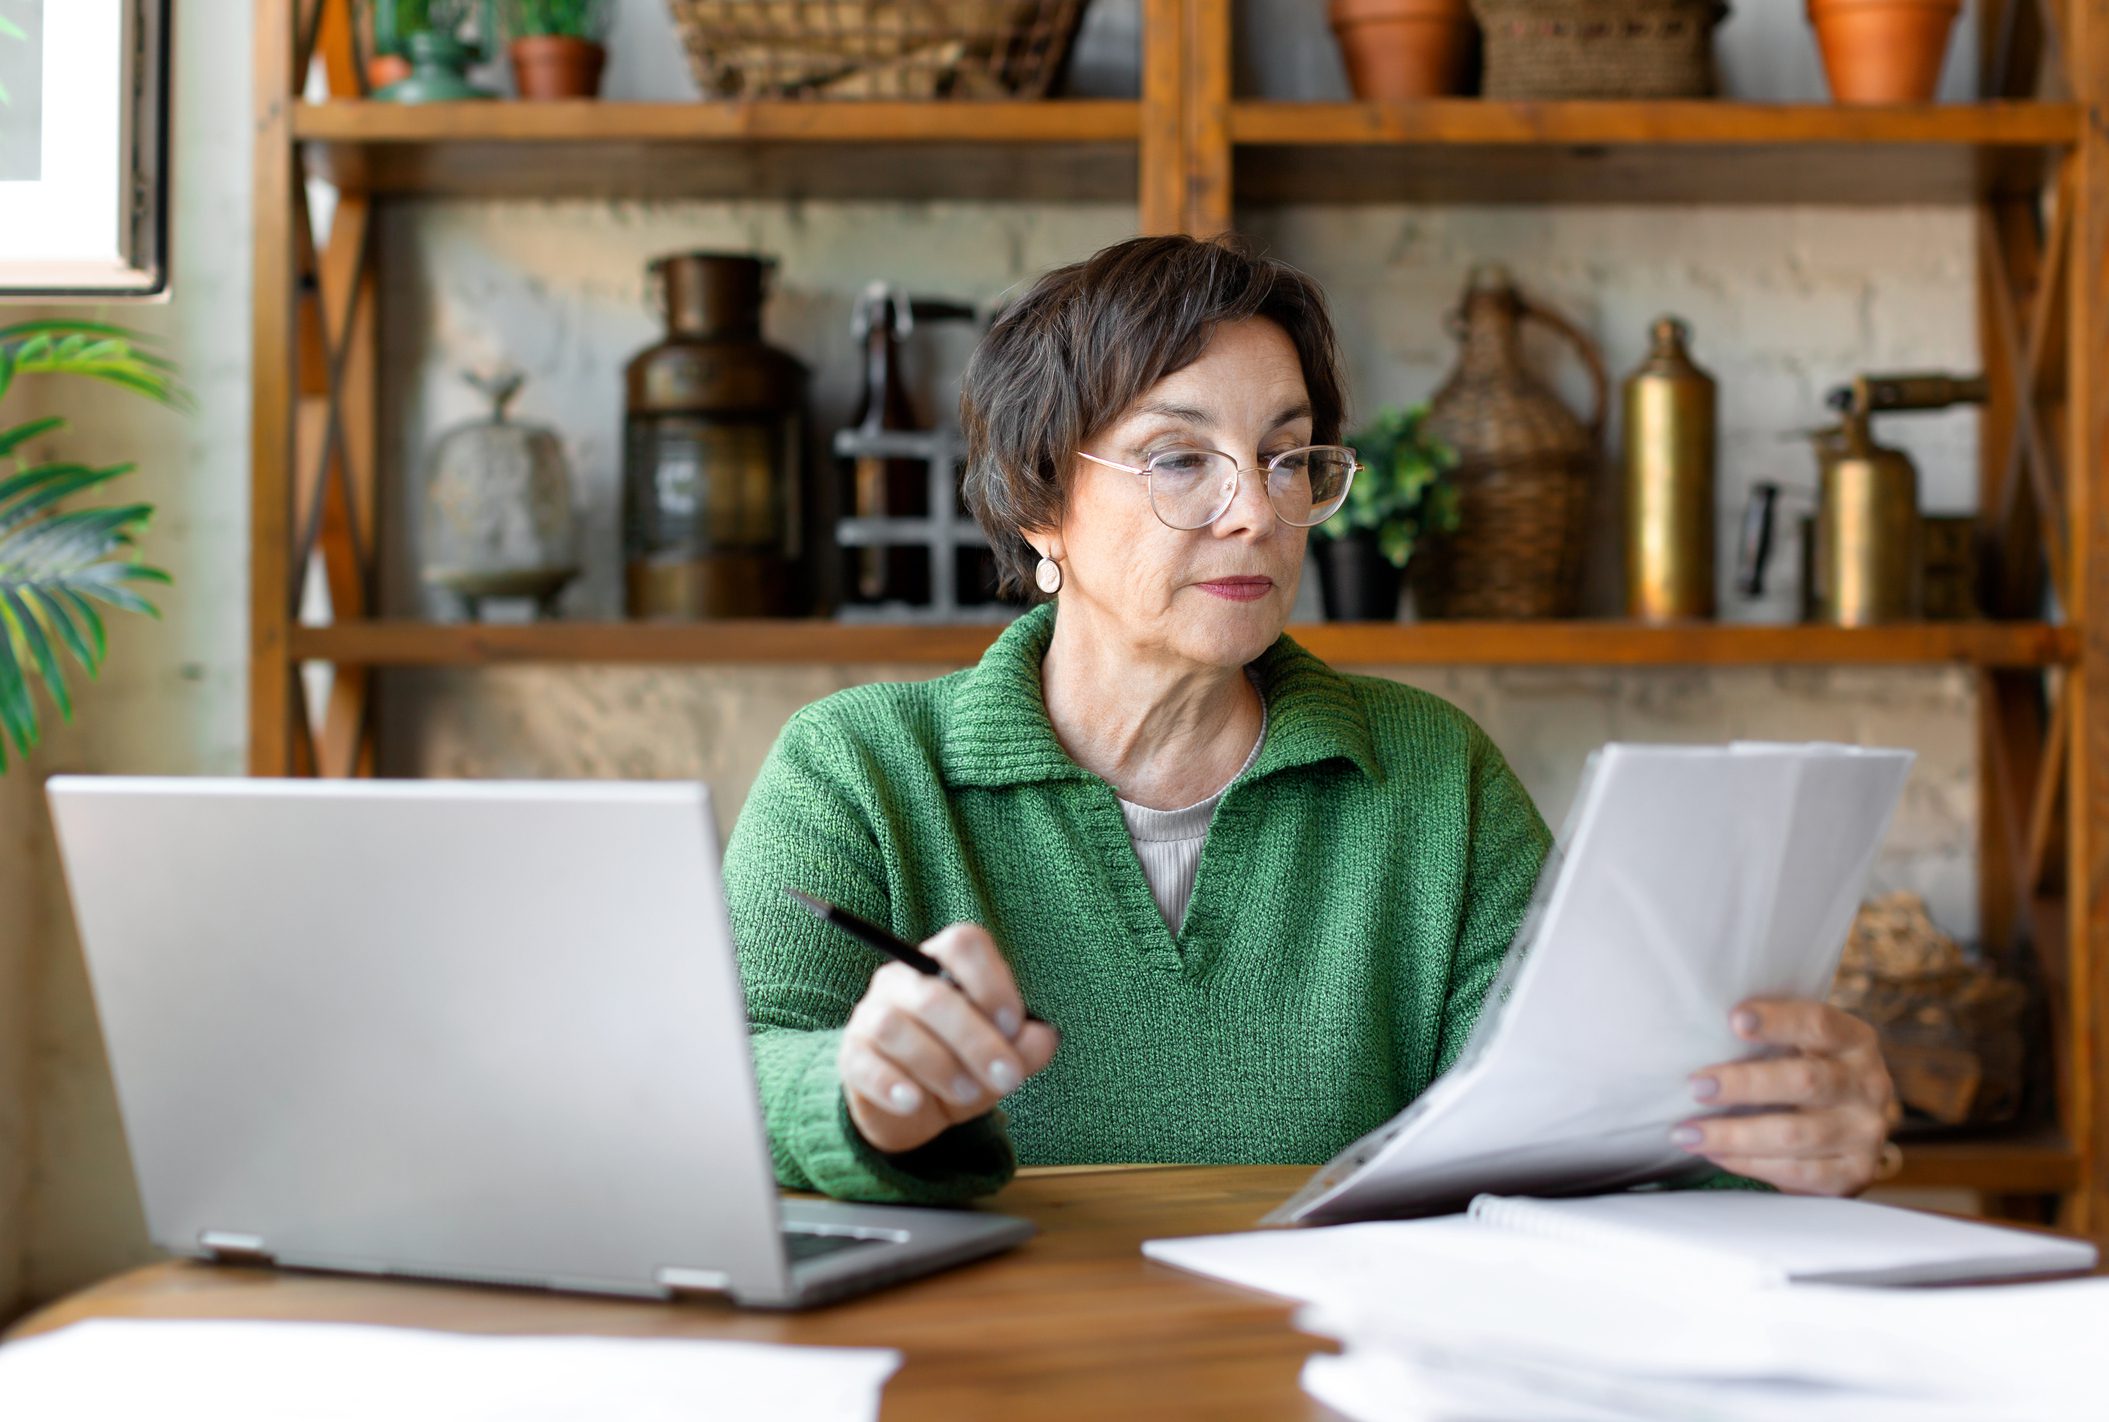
(1404, 49)
(556, 67)
(385, 69)
(1883, 51)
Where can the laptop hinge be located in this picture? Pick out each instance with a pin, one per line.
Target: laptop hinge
(694, 1281)
(228, 1248)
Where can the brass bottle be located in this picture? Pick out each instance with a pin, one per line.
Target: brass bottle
(1669, 482)
(1866, 568)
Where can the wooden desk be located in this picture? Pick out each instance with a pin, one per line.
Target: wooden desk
(1076, 1324)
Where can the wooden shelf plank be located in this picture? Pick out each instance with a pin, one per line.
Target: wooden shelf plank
(2024, 1163)
(1665, 123)
(1465, 150)
(1976, 644)
(1080, 149)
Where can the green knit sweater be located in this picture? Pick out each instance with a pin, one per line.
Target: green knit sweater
(1359, 885)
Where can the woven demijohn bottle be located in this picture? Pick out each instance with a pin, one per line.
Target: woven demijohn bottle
(1526, 467)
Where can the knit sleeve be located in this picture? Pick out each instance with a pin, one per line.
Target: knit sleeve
(804, 826)
(1506, 842)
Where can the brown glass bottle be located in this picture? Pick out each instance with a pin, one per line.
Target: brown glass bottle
(712, 451)
(876, 487)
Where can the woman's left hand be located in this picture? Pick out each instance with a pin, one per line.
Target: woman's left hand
(1827, 1103)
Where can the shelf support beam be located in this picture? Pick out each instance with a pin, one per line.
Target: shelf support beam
(2086, 684)
(272, 692)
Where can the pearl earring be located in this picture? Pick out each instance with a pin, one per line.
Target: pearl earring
(1048, 575)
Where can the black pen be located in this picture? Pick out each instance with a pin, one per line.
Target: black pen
(898, 949)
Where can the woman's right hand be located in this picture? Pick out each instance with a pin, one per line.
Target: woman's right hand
(920, 1055)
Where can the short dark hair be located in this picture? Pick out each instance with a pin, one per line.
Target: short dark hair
(1066, 359)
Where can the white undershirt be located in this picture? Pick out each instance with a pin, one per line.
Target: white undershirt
(1168, 842)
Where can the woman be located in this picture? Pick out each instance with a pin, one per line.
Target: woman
(1261, 900)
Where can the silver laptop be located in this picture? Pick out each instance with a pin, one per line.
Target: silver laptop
(469, 1031)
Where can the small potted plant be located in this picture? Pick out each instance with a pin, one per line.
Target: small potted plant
(1401, 496)
(557, 47)
(389, 65)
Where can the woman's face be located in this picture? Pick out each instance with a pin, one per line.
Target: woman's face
(1218, 595)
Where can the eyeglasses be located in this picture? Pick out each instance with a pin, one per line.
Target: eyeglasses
(1191, 488)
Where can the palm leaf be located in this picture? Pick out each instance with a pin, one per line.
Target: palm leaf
(56, 562)
(23, 627)
(94, 622)
(35, 490)
(59, 622)
(92, 348)
(11, 440)
(50, 569)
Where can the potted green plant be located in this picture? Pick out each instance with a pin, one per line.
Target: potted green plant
(557, 47)
(1401, 496)
(389, 64)
(438, 40)
(56, 561)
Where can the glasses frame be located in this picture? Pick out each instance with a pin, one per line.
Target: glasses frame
(1148, 472)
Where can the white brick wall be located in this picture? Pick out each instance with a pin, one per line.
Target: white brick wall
(1784, 302)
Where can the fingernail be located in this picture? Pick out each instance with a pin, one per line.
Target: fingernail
(1705, 1088)
(1745, 1022)
(903, 1097)
(1007, 1022)
(964, 1091)
(1003, 1076)
(1687, 1136)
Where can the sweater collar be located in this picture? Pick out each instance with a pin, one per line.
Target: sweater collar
(997, 731)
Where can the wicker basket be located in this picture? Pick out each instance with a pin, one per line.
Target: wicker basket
(1599, 49)
(1526, 468)
(877, 49)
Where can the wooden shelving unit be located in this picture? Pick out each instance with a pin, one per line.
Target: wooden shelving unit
(1189, 153)
(1078, 149)
(1973, 644)
(1467, 151)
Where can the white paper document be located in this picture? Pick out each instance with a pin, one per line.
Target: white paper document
(1688, 878)
(1448, 1318)
(1743, 1236)
(183, 1371)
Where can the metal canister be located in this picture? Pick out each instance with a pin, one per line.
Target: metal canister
(1669, 482)
(1867, 568)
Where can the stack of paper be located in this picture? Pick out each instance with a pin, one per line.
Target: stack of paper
(1447, 1319)
(123, 1371)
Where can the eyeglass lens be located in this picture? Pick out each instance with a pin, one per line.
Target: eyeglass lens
(1190, 488)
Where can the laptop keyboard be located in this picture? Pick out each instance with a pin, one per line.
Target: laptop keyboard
(804, 1246)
